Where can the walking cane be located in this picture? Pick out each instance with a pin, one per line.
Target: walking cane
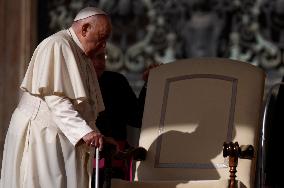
(97, 168)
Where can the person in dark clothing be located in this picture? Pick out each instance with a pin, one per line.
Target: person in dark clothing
(121, 106)
(142, 94)
(121, 110)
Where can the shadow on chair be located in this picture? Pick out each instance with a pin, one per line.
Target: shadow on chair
(168, 148)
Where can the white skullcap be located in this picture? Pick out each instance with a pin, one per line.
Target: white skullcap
(87, 12)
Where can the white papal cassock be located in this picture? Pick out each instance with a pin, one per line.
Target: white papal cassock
(59, 106)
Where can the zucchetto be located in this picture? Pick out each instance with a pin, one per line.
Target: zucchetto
(87, 12)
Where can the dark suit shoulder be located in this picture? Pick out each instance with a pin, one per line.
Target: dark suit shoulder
(113, 76)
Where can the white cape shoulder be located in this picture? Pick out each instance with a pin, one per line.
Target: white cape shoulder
(54, 69)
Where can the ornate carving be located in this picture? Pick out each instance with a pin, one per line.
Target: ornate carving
(150, 31)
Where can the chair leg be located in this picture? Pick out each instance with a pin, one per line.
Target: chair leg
(233, 163)
(232, 151)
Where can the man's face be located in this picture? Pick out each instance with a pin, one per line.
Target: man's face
(97, 34)
(99, 62)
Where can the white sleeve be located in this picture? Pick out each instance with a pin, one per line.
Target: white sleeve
(68, 120)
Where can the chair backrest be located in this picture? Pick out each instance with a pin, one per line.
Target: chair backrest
(192, 107)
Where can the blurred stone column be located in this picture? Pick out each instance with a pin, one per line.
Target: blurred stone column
(18, 39)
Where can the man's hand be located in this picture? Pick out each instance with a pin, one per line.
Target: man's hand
(94, 139)
(112, 141)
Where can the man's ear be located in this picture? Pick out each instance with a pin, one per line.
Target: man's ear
(85, 28)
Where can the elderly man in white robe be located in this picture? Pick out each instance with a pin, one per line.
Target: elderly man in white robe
(52, 134)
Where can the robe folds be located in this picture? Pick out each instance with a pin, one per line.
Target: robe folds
(59, 105)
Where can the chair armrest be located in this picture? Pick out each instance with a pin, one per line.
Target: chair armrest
(135, 153)
(233, 149)
(138, 154)
(246, 152)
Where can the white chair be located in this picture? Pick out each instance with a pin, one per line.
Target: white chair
(192, 107)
